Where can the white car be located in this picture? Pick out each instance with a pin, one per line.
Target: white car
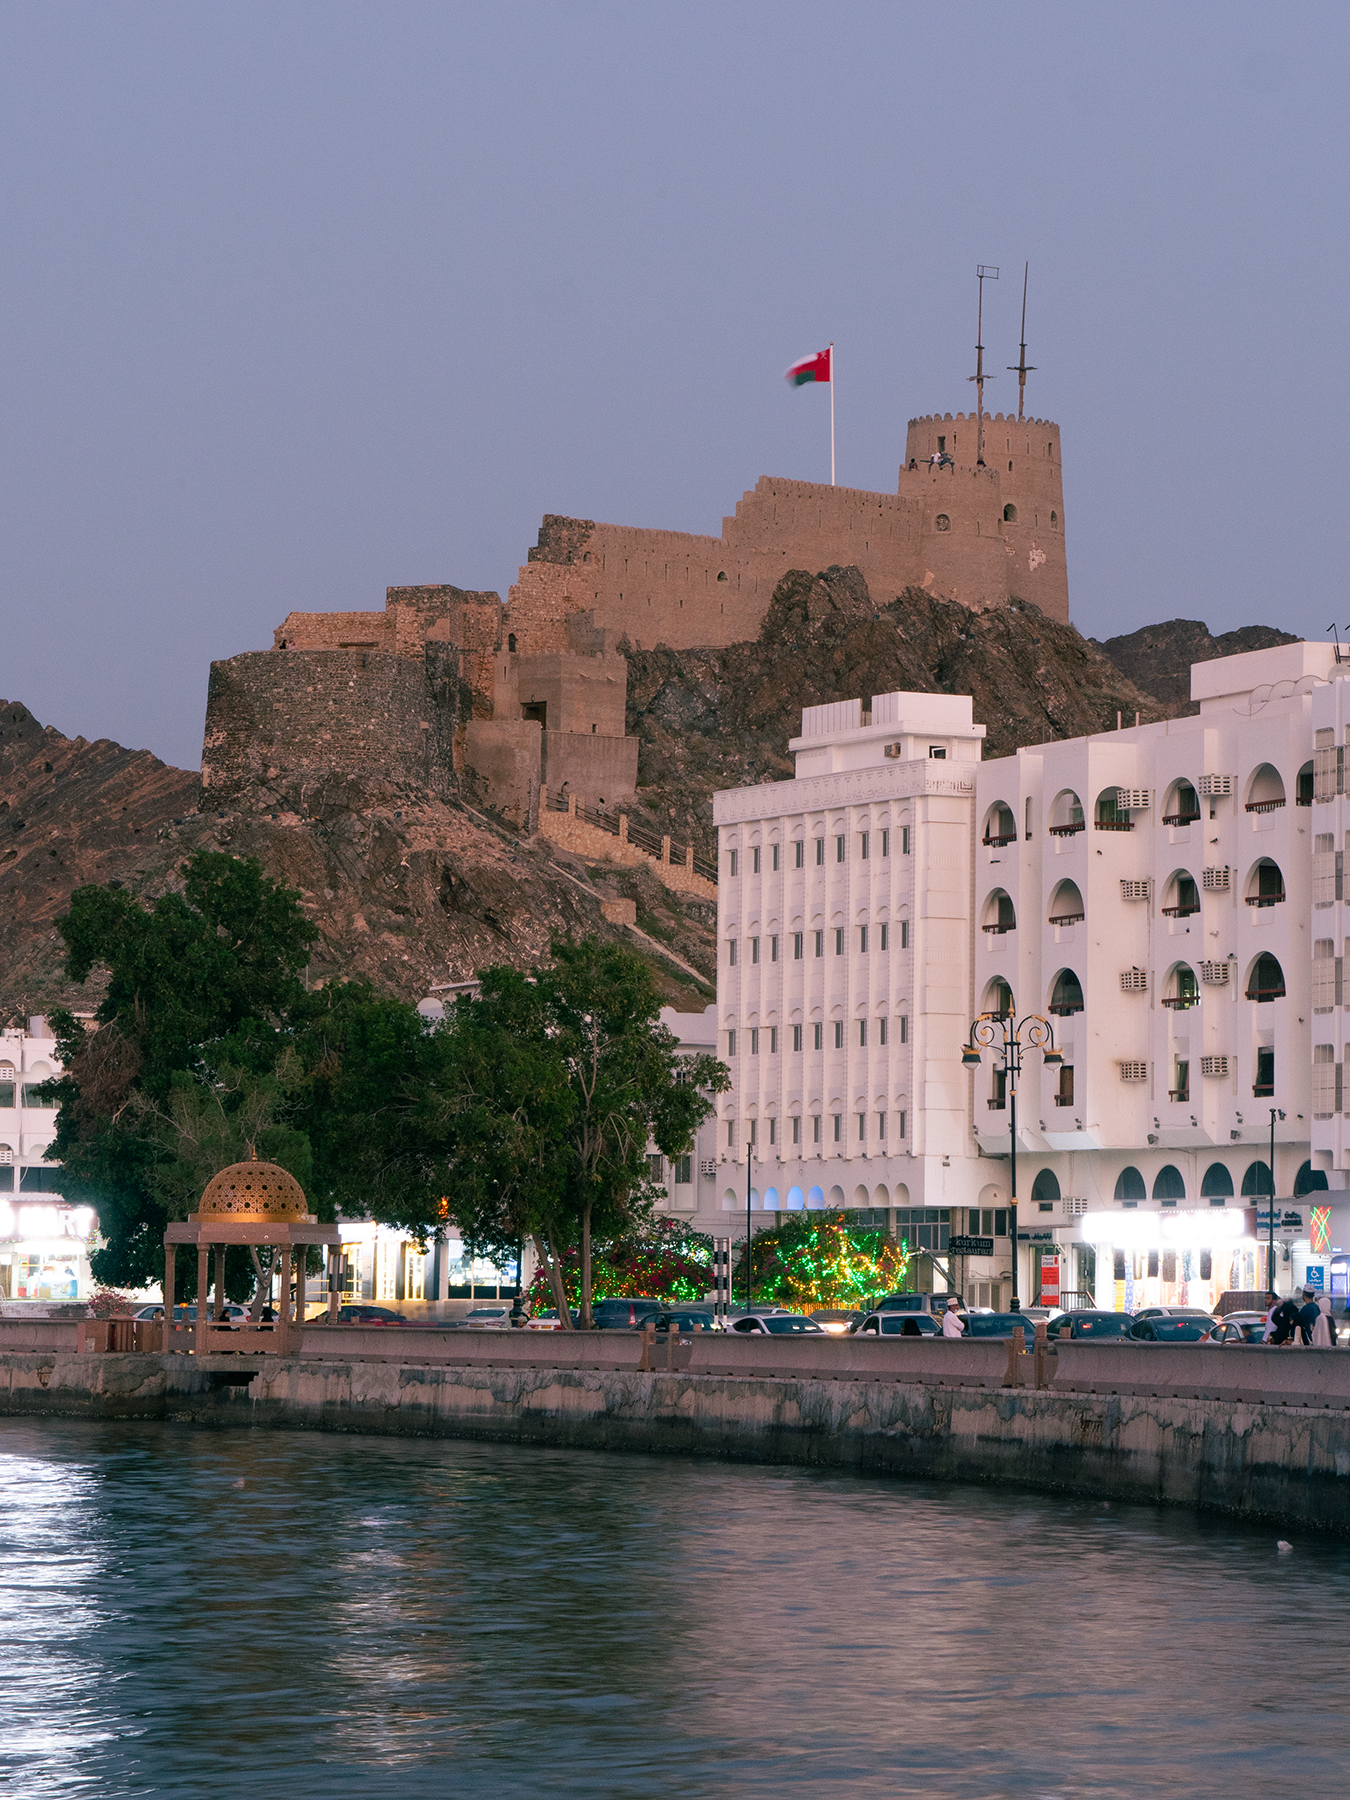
(775, 1324)
(899, 1324)
(488, 1318)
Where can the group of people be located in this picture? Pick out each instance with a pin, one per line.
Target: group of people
(1288, 1322)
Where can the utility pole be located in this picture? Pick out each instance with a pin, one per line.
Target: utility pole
(1024, 368)
(981, 271)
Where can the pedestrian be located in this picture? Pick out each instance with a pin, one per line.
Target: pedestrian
(1324, 1330)
(1308, 1315)
(1284, 1321)
(1272, 1302)
(952, 1322)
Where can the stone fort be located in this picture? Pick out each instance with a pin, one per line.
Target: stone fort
(449, 689)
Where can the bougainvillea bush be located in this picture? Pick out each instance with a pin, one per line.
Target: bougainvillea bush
(669, 1261)
(818, 1259)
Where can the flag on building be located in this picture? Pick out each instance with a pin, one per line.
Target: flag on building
(810, 368)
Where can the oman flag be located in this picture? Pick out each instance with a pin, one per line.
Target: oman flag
(810, 368)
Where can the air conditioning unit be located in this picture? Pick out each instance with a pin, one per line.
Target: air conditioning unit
(1217, 787)
(707, 1165)
(1134, 981)
(1134, 1071)
(1213, 1065)
(894, 751)
(1134, 890)
(1074, 1208)
(1214, 974)
(1133, 799)
(1215, 881)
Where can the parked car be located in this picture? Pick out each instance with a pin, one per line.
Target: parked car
(783, 1324)
(359, 1313)
(485, 1318)
(1240, 1328)
(917, 1303)
(837, 1320)
(999, 1325)
(627, 1314)
(898, 1324)
(1174, 1312)
(1091, 1322)
(1172, 1330)
(188, 1314)
(547, 1320)
(1042, 1315)
(685, 1318)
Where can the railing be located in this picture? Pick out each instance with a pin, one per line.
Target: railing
(1063, 1099)
(1181, 1001)
(1181, 1095)
(1066, 1009)
(1181, 818)
(1265, 899)
(1263, 805)
(997, 1105)
(1263, 1090)
(1274, 993)
(680, 855)
(1011, 838)
(1303, 800)
(999, 930)
(1067, 830)
(1113, 824)
(1067, 918)
(1179, 912)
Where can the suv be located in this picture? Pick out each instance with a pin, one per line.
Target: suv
(626, 1314)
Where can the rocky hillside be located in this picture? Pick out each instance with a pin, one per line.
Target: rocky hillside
(710, 719)
(416, 892)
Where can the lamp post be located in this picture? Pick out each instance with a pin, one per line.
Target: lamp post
(1270, 1216)
(749, 1165)
(1003, 1031)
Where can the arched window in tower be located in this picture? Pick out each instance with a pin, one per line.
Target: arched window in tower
(1066, 995)
(1010, 511)
(942, 522)
(1266, 981)
(1054, 521)
(511, 641)
(1303, 792)
(1130, 1185)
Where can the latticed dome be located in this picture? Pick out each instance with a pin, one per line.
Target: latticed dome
(254, 1190)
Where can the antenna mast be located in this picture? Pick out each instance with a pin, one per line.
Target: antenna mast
(1024, 368)
(981, 270)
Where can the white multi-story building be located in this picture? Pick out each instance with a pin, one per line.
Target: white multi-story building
(44, 1243)
(1169, 896)
(844, 972)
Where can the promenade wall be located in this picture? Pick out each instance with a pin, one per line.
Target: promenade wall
(1252, 1433)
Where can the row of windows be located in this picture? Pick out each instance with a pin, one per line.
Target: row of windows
(1116, 806)
(29, 1097)
(1170, 1185)
(769, 1033)
(1181, 989)
(1181, 897)
(817, 1125)
(865, 841)
(46, 1180)
(869, 937)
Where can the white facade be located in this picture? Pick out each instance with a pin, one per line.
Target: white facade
(844, 964)
(1169, 896)
(44, 1243)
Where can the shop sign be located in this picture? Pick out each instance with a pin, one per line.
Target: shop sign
(1037, 1237)
(971, 1246)
(1313, 1277)
(1287, 1218)
(1050, 1280)
(74, 1224)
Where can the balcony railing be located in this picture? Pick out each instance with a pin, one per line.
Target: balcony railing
(998, 929)
(1179, 912)
(1065, 1009)
(1180, 1002)
(1265, 899)
(1067, 918)
(997, 1105)
(1259, 994)
(1063, 1099)
(1264, 805)
(1011, 838)
(1181, 818)
(1263, 1089)
(1067, 830)
(1113, 824)
(1181, 1095)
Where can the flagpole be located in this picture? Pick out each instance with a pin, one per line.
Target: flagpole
(831, 412)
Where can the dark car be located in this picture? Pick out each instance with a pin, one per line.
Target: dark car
(915, 1303)
(690, 1318)
(366, 1315)
(1089, 1322)
(627, 1314)
(999, 1325)
(1171, 1331)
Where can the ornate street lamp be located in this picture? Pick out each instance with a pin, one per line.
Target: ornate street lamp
(1001, 1031)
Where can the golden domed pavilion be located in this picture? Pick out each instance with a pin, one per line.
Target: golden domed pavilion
(256, 1203)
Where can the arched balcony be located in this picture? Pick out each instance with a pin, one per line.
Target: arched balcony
(1181, 895)
(1265, 790)
(998, 999)
(1108, 814)
(1303, 786)
(1182, 805)
(1066, 815)
(1000, 827)
(1265, 884)
(1266, 980)
(1066, 994)
(1000, 916)
(1180, 988)
(1066, 905)
(1130, 1185)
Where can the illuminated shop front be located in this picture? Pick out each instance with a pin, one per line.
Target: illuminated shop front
(44, 1250)
(1173, 1258)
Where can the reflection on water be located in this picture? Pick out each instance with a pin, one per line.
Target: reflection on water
(218, 1614)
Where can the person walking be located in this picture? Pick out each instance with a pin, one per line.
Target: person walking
(1308, 1315)
(1272, 1304)
(1324, 1329)
(1284, 1321)
(952, 1322)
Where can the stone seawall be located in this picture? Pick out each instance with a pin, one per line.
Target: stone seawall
(1251, 1459)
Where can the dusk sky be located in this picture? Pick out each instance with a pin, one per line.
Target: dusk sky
(301, 301)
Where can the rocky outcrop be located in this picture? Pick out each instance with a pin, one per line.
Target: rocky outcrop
(1159, 657)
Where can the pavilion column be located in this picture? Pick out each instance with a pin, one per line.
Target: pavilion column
(170, 1252)
(218, 1304)
(203, 1295)
(334, 1281)
(284, 1303)
(301, 1275)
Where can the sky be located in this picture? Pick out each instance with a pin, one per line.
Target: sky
(301, 301)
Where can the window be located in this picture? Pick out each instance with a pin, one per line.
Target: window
(881, 1126)
(904, 1028)
(904, 934)
(732, 855)
(862, 1034)
(881, 1030)
(773, 854)
(862, 844)
(820, 851)
(839, 1034)
(796, 1131)
(993, 1221)
(6, 1093)
(839, 940)
(773, 949)
(1065, 1095)
(1267, 980)
(839, 844)
(796, 1037)
(754, 1040)
(885, 843)
(40, 1181)
(754, 950)
(862, 939)
(731, 953)
(751, 1128)
(684, 1170)
(731, 1134)
(838, 1127)
(655, 1167)
(862, 1127)
(902, 1124)
(754, 861)
(731, 1043)
(773, 1040)
(815, 1129)
(1010, 511)
(904, 840)
(924, 1227)
(817, 1037)
(33, 1098)
(773, 1131)
(937, 752)
(798, 938)
(1181, 1091)
(799, 854)
(1265, 1073)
